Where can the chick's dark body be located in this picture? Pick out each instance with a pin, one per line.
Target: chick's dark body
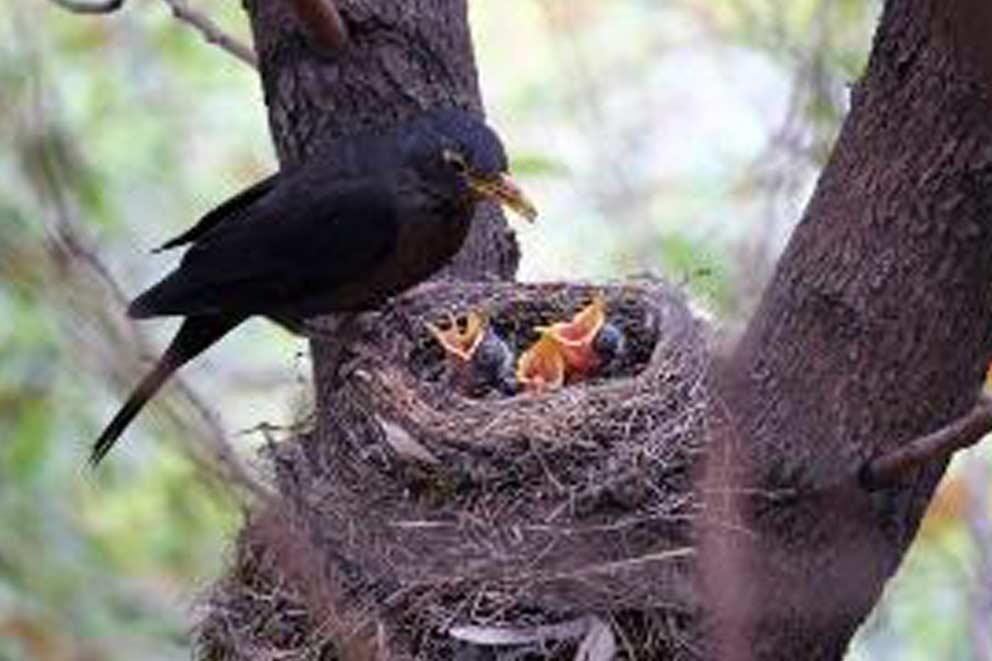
(370, 217)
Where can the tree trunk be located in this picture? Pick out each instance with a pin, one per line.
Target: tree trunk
(873, 331)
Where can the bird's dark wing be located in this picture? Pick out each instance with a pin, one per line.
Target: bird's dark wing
(236, 207)
(297, 243)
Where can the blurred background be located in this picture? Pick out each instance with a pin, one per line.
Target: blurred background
(680, 137)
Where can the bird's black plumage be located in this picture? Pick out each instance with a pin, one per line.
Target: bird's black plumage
(226, 211)
(293, 247)
(369, 217)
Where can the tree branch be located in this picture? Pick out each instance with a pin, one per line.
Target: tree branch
(211, 32)
(959, 434)
(323, 22)
(103, 7)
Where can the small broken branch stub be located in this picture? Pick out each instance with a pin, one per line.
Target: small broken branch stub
(323, 23)
(959, 434)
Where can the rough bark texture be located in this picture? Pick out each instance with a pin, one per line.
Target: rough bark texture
(874, 330)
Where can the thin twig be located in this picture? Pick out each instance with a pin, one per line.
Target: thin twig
(211, 32)
(183, 12)
(323, 21)
(962, 433)
(76, 7)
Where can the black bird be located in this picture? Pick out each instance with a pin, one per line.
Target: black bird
(369, 217)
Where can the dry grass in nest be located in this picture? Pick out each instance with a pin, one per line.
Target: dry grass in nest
(428, 512)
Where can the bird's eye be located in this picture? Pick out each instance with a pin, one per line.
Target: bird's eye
(456, 160)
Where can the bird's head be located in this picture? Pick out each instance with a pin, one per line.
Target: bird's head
(469, 153)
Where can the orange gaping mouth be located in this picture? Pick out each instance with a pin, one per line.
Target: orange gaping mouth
(460, 343)
(576, 338)
(542, 367)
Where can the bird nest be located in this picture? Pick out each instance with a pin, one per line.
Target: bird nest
(449, 517)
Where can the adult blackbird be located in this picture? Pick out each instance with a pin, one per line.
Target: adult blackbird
(371, 216)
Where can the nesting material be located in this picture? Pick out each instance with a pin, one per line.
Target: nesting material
(437, 512)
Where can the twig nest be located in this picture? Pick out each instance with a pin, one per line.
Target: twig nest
(446, 510)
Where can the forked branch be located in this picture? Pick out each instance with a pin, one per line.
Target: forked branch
(959, 434)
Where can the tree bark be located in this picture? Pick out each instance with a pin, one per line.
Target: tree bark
(875, 330)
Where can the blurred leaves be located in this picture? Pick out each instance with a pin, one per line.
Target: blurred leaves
(91, 567)
(537, 165)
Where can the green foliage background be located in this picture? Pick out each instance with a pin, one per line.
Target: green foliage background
(679, 136)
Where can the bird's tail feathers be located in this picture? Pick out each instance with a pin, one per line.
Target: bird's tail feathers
(139, 397)
(148, 304)
(194, 336)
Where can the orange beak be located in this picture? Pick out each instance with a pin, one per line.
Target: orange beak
(542, 367)
(505, 191)
(460, 344)
(576, 338)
